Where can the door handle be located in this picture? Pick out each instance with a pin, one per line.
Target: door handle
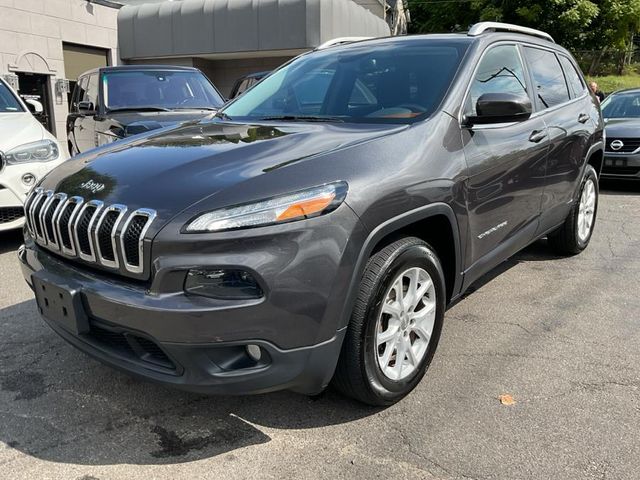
(537, 136)
(583, 118)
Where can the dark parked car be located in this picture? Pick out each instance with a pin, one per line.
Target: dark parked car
(301, 235)
(621, 111)
(112, 103)
(245, 83)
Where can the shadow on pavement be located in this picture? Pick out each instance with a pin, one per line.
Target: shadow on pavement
(619, 187)
(59, 405)
(10, 240)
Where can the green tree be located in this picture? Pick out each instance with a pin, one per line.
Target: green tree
(576, 24)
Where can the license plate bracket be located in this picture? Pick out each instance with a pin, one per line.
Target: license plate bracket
(60, 302)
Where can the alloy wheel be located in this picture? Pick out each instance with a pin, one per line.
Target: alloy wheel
(586, 210)
(405, 324)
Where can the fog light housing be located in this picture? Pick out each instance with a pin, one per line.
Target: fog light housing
(224, 284)
(28, 179)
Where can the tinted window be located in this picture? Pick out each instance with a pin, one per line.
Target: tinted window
(78, 93)
(500, 71)
(163, 89)
(393, 82)
(622, 105)
(574, 79)
(89, 90)
(8, 102)
(549, 82)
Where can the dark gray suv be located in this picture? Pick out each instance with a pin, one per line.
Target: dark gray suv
(319, 226)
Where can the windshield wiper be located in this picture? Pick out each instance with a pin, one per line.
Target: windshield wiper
(140, 109)
(195, 108)
(302, 118)
(222, 115)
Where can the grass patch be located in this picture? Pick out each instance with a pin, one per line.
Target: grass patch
(611, 83)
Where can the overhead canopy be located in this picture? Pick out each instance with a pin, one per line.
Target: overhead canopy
(236, 28)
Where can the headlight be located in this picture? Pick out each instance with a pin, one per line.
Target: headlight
(42, 151)
(286, 208)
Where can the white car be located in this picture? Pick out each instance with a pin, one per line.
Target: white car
(27, 153)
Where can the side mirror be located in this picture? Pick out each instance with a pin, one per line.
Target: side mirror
(34, 106)
(86, 107)
(501, 108)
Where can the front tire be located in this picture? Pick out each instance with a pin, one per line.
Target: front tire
(395, 325)
(575, 234)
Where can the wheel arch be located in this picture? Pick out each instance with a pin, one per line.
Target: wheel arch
(436, 224)
(595, 157)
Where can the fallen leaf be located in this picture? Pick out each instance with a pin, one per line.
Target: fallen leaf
(506, 399)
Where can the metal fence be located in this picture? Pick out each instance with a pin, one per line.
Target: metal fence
(607, 62)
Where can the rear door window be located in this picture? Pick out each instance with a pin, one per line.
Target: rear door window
(574, 79)
(549, 82)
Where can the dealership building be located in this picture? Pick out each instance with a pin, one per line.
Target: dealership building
(46, 44)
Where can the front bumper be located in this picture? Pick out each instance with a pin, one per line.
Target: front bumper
(622, 166)
(199, 344)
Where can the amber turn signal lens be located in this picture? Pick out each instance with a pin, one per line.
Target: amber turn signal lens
(308, 207)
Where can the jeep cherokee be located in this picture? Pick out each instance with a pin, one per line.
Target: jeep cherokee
(319, 226)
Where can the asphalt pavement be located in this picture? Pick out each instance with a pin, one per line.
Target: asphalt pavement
(560, 335)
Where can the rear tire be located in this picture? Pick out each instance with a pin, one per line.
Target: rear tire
(395, 325)
(575, 234)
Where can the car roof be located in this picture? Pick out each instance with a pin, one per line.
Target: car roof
(626, 90)
(462, 37)
(134, 68)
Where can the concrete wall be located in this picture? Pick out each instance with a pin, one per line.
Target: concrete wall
(224, 73)
(32, 33)
(374, 6)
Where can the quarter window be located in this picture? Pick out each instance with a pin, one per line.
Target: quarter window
(549, 82)
(576, 86)
(500, 71)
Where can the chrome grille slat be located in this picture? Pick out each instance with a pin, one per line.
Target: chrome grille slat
(27, 204)
(66, 229)
(48, 198)
(110, 236)
(97, 204)
(54, 240)
(150, 215)
(121, 210)
(33, 206)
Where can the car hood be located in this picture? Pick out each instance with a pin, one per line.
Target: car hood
(170, 170)
(18, 128)
(126, 124)
(623, 128)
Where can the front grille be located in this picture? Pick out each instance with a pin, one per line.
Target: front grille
(607, 169)
(10, 214)
(629, 145)
(89, 230)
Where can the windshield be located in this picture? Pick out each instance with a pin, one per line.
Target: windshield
(159, 89)
(8, 102)
(395, 82)
(622, 105)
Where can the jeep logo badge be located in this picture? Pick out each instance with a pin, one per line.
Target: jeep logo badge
(617, 145)
(93, 187)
